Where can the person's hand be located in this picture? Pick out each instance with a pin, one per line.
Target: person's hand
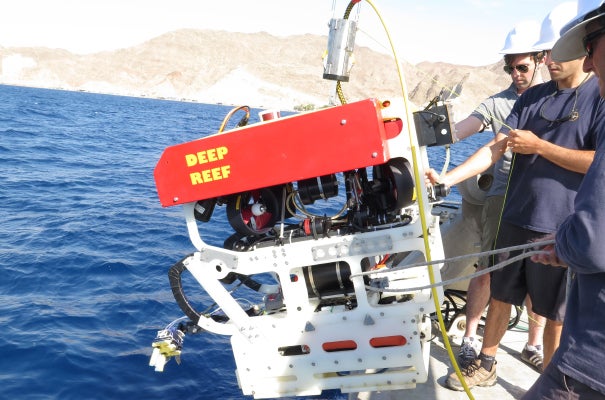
(431, 177)
(524, 142)
(548, 255)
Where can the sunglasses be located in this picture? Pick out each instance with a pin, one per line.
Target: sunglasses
(522, 68)
(588, 40)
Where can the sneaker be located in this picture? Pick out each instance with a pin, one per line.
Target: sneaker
(474, 375)
(469, 351)
(534, 357)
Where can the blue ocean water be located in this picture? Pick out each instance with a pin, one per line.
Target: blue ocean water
(85, 247)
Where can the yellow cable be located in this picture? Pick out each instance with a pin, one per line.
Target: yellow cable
(421, 206)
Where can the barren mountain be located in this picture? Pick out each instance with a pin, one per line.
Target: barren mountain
(258, 70)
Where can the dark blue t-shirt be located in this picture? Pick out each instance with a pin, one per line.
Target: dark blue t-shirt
(540, 194)
(580, 243)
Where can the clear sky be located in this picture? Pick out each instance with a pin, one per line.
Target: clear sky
(456, 31)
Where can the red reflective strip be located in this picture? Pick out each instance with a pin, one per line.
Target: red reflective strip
(341, 345)
(388, 341)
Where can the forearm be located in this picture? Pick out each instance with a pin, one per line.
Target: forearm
(481, 160)
(467, 127)
(573, 160)
(579, 238)
(577, 245)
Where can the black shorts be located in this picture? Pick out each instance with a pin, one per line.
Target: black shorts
(545, 284)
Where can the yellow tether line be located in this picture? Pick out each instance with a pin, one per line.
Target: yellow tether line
(421, 207)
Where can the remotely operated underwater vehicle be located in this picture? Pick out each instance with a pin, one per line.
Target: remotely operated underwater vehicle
(340, 297)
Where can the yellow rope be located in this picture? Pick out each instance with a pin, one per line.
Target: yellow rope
(423, 222)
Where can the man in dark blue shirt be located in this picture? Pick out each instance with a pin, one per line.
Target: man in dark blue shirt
(552, 132)
(577, 368)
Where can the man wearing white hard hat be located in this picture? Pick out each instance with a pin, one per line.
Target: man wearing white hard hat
(522, 62)
(551, 133)
(577, 370)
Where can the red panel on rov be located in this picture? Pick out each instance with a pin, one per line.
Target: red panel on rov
(284, 150)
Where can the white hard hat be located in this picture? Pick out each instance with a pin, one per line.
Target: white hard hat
(521, 38)
(569, 46)
(552, 24)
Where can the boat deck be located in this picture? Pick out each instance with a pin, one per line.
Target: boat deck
(514, 376)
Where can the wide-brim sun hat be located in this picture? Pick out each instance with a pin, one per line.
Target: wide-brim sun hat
(569, 46)
(553, 23)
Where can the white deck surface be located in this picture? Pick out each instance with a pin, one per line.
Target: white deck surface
(514, 376)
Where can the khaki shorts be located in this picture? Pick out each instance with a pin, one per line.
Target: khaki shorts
(490, 219)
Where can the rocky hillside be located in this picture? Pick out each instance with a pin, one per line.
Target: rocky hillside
(258, 70)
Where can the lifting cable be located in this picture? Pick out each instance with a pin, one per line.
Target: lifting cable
(500, 265)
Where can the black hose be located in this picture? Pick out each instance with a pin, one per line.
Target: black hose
(249, 282)
(349, 9)
(174, 277)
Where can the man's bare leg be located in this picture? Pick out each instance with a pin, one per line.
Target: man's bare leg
(477, 297)
(552, 336)
(498, 315)
(536, 325)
